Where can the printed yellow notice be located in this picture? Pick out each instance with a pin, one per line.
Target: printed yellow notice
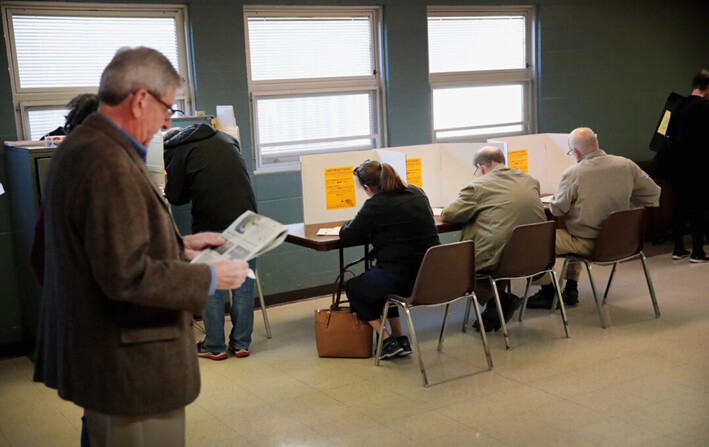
(662, 128)
(339, 188)
(519, 159)
(413, 172)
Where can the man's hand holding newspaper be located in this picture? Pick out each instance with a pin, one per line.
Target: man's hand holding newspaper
(247, 237)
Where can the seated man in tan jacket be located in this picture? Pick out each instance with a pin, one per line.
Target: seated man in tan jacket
(588, 192)
(490, 207)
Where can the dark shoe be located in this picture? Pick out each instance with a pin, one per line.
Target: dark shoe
(405, 346)
(390, 347)
(510, 304)
(681, 254)
(542, 299)
(703, 257)
(238, 352)
(205, 353)
(570, 294)
(491, 321)
(571, 297)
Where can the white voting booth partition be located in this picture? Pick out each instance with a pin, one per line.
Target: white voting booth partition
(330, 193)
(329, 190)
(442, 169)
(543, 156)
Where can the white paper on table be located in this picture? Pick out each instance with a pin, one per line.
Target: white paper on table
(437, 211)
(547, 199)
(2, 190)
(329, 231)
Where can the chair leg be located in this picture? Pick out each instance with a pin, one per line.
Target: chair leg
(649, 286)
(467, 315)
(562, 308)
(610, 280)
(595, 295)
(380, 335)
(444, 326)
(415, 339)
(263, 305)
(483, 335)
(562, 278)
(501, 316)
(524, 300)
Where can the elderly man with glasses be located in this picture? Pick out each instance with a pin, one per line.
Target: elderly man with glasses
(587, 194)
(115, 330)
(490, 207)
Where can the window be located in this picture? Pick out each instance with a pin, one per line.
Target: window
(59, 50)
(314, 82)
(481, 70)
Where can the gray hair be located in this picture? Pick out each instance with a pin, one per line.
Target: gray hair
(488, 155)
(584, 140)
(134, 68)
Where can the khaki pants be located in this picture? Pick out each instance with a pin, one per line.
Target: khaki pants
(155, 430)
(565, 244)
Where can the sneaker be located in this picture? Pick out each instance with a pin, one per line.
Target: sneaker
(205, 353)
(238, 352)
(677, 255)
(405, 346)
(390, 347)
(704, 257)
(542, 299)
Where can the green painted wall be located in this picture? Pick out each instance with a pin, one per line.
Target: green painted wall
(607, 64)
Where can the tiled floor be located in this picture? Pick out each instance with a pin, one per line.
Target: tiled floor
(641, 382)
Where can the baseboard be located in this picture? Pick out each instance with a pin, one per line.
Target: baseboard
(296, 295)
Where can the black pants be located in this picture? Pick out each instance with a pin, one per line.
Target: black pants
(687, 204)
(367, 292)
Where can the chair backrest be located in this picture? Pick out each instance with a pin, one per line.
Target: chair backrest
(447, 272)
(530, 249)
(622, 235)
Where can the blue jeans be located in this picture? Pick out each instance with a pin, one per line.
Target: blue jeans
(242, 317)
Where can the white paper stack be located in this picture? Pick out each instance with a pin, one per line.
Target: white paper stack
(226, 122)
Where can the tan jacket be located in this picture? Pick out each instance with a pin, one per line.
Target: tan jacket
(115, 332)
(597, 186)
(491, 206)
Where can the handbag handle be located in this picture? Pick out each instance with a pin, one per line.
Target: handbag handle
(338, 283)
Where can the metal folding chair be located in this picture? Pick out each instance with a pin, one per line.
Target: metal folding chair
(447, 274)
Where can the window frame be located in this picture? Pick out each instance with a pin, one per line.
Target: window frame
(283, 88)
(526, 77)
(24, 99)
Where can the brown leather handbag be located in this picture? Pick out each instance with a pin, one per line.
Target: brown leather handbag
(340, 333)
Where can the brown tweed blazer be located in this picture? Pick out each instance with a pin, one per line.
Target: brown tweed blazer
(115, 331)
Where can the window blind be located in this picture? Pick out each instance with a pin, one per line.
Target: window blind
(460, 44)
(305, 47)
(65, 51)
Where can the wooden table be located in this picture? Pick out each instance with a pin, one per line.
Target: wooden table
(307, 236)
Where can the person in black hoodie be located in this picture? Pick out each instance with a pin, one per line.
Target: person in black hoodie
(205, 166)
(689, 139)
(397, 220)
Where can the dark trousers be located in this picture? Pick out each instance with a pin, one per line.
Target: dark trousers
(688, 205)
(367, 292)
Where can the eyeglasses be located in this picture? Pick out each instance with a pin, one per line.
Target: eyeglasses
(477, 166)
(570, 151)
(167, 106)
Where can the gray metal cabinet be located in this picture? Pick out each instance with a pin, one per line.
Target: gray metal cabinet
(26, 166)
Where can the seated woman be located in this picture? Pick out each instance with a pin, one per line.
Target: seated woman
(397, 220)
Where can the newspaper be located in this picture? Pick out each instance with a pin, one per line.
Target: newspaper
(249, 236)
